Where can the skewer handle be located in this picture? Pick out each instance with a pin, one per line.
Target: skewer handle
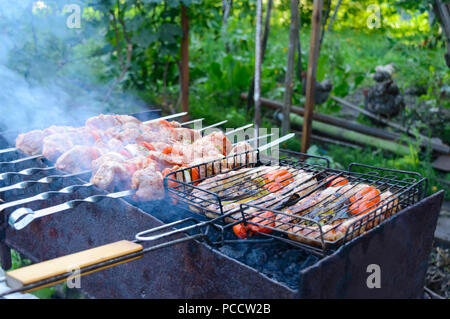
(23, 216)
(65, 266)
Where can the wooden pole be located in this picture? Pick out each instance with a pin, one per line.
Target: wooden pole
(263, 52)
(184, 67)
(441, 147)
(257, 93)
(341, 133)
(289, 80)
(311, 74)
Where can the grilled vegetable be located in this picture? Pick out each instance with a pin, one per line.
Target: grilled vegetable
(336, 181)
(148, 146)
(264, 219)
(275, 180)
(367, 201)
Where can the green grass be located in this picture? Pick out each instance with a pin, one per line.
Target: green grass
(18, 261)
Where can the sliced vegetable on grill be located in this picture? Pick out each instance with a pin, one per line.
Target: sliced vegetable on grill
(336, 181)
(255, 225)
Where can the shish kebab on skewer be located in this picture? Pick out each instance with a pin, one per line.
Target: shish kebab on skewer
(119, 132)
(66, 190)
(21, 217)
(32, 142)
(103, 132)
(72, 151)
(117, 169)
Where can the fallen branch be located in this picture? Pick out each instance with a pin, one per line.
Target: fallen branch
(440, 147)
(359, 138)
(380, 133)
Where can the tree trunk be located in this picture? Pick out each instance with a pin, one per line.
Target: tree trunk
(257, 93)
(442, 11)
(226, 8)
(311, 74)
(333, 17)
(264, 46)
(184, 65)
(324, 23)
(299, 48)
(289, 80)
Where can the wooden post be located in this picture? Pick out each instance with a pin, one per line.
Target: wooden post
(311, 74)
(184, 67)
(257, 93)
(289, 80)
(251, 89)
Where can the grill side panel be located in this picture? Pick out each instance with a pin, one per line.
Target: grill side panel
(188, 270)
(401, 247)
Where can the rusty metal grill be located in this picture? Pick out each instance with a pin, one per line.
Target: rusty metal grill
(216, 272)
(320, 226)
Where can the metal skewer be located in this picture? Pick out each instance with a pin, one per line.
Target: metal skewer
(239, 129)
(45, 180)
(192, 122)
(167, 117)
(21, 160)
(254, 139)
(44, 196)
(211, 126)
(8, 150)
(20, 218)
(26, 172)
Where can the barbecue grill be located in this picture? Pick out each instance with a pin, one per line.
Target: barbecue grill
(210, 262)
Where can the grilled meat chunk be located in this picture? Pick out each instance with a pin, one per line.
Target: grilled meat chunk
(149, 183)
(78, 159)
(104, 122)
(242, 147)
(56, 144)
(31, 142)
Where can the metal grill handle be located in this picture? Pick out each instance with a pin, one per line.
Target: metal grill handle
(25, 172)
(45, 180)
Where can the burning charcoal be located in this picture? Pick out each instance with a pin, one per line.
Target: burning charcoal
(270, 267)
(236, 251)
(291, 269)
(255, 257)
(310, 260)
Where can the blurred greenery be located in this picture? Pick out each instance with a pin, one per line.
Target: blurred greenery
(18, 261)
(366, 33)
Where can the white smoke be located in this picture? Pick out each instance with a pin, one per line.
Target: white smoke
(48, 74)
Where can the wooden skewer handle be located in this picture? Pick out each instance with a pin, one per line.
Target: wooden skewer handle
(36, 273)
